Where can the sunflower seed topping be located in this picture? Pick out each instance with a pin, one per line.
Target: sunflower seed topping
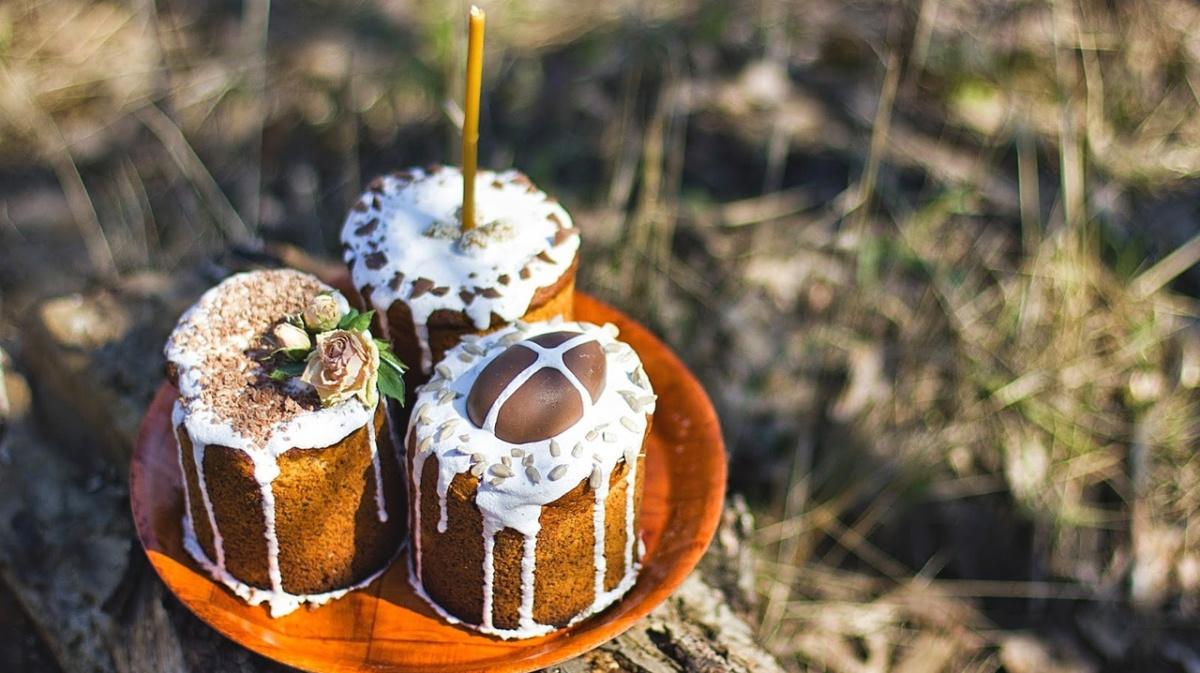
(558, 472)
(533, 474)
(555, 449)
(501, 470)
(596, 478)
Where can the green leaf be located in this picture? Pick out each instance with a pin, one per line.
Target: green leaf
(358, 322)
(391, 374)
(386, 355)
(287, 370)
(297, 354)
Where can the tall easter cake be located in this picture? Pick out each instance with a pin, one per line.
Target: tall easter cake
(288, 500)
(525, 463)
(431, 282)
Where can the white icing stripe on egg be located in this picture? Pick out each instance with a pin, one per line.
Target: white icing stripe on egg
(547, 358)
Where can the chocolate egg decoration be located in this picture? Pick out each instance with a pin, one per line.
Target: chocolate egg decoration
(539, 387)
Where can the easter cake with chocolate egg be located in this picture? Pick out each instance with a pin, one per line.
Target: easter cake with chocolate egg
(525, 466)
(292, 485)
(432, 281)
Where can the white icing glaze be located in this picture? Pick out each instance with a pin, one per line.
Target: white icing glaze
(377, 468)
(517, 230)
(516, 501)
(319, 428)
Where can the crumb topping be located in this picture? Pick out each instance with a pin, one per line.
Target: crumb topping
(219, 347)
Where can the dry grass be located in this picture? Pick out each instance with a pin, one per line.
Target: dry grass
(903, 244)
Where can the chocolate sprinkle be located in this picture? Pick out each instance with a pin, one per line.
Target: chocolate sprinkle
(367, 228)
(440, 291)
(394, 283)
(420, 287)
(466, 296)
(563, 234)
(375, 260)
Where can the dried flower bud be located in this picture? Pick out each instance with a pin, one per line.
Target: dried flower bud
(322, 314)
(289, 337)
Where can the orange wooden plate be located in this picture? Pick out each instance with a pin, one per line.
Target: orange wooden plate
(386, 627)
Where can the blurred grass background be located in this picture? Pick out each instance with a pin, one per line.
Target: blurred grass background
(932, 259)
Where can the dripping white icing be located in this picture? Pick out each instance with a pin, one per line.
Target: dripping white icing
(377, 468)
(516, 502)
(598, 512)
(188, 349)
(490, 528)
(415, 233)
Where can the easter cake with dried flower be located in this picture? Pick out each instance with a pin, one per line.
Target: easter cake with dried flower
(432, 280)
(292, 485)
(525, 465)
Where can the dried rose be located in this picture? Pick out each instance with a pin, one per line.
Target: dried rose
(289, 337)
(345, 364)
(322, 314)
